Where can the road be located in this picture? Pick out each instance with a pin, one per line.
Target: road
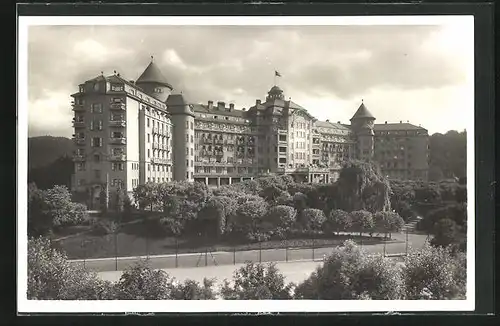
(230, 259)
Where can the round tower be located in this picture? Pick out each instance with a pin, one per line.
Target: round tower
(362, 123)
(182, 117)
(154, 83)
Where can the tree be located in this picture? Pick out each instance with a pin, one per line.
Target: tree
(249, 214)
(362, 186)
(257, 282)
(350, 273)
(192, 290)
(213, 216)
(52, 277)
(280, 219)
(388, 222)
(445, 233)
(433, 273)
(299, 201)
(140, 282)
(337, 220)
(146, 195)
(362, 221)
(312, 219)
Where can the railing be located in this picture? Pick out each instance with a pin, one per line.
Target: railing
(79, 141)
(79, 124)
(117, 157)
(117, 106)
(118, 140)
(78, 107)
(117, 123)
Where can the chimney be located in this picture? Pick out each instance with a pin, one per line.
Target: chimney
(400, 121)
(386, 122)
(221, 105)
(132, 81)
(327, 120)
(243, 109)
(231, 106)
(210, 104)
(408, 121)
(257, 102)
(338, 122)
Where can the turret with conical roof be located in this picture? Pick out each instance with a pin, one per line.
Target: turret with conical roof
(154, 83)
(362, 123)
(182, 117)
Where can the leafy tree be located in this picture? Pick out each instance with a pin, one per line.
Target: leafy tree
(312, 219)
(388, 222)
(299, 201)
(146, 195)
(350, 273)
(52, 277)
(362, 186)
(448, 153)
(433, 273)
(279, 220)
(192, 290)
(249, 215)
(337, 220)
(428, 193)
(362, 221)
(140, 282)
(213, 216)
(445, 233)
(257, 282)
(172, 226)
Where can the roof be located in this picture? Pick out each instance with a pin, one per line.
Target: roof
(396, 127)
(201, 108)
(362, 113)
(176, 100)
(153, 74)
(330, 125)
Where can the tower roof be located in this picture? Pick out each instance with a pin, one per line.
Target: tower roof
(362, 113)
(153, 74)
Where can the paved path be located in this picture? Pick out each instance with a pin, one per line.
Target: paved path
(240, 257)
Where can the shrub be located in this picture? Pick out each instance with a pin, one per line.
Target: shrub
(172, 226)
(104, 227)
(192, 290)
(362, 221)
(52, 277)
(350, 273)
(430, 273)
(337, 220)
(257, 282)
(312, 219)
(281, 216)
(140, 282)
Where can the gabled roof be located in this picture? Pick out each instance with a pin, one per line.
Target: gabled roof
(396, 127)
(362, 113)
(153, 74)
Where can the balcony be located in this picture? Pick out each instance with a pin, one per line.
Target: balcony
(79, 141)
(117, 123)
(78, 158)
(158, 160)
(78, 124)
(282, 131)
(118, 140)
(118, 157)
(157, 146)
(117, 106)
(78, 107)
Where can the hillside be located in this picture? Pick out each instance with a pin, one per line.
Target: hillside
(45, 150)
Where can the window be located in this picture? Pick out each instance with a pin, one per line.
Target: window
(149, 153)
(187, 163)
(192, 125)
(187, 124)
(80, 166)
(187, 150)
(96, 142)
(192, 153)
(91, 125)
(82, 89)
(99, 125)
(187, 175)
(149, 138)
(187, 138)
(147, 122)
(192, 163)
(192, 140)
(158, 90)
(149, 167)
(116, 87)
(96, 108)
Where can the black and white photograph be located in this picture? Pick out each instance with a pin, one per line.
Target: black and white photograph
(248, 163)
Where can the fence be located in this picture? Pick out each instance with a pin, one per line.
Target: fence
(285, 251)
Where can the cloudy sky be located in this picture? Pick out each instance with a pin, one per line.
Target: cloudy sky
(414, 73)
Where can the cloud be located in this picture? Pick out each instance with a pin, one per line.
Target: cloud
(324, 68)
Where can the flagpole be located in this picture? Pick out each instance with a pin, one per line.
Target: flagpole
(274, 77)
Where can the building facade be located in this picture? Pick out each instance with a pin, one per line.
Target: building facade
(132, 132)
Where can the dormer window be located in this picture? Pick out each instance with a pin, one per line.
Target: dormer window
(158, 90)
(116, 87)
(82, 89)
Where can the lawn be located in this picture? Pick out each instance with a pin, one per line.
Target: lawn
(137, 240)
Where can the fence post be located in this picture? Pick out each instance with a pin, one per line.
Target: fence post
(385, 242)
(286, 251)
(260, 252)
(147, 248)
(206, 253)
(406, 241)
(314, 237)
(234, 255)
(116, 251)
(176, 252)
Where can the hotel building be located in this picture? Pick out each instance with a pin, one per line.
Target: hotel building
(132, 132)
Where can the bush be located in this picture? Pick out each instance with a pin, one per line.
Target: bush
(434, 273)
(257, 282)
(172, 226)
(312, 219)
(281, 216)
(350, 273)
(140, 282)
(192, 290)
(337, 220)
(362, 221)
(52, 277)
(104, 227)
